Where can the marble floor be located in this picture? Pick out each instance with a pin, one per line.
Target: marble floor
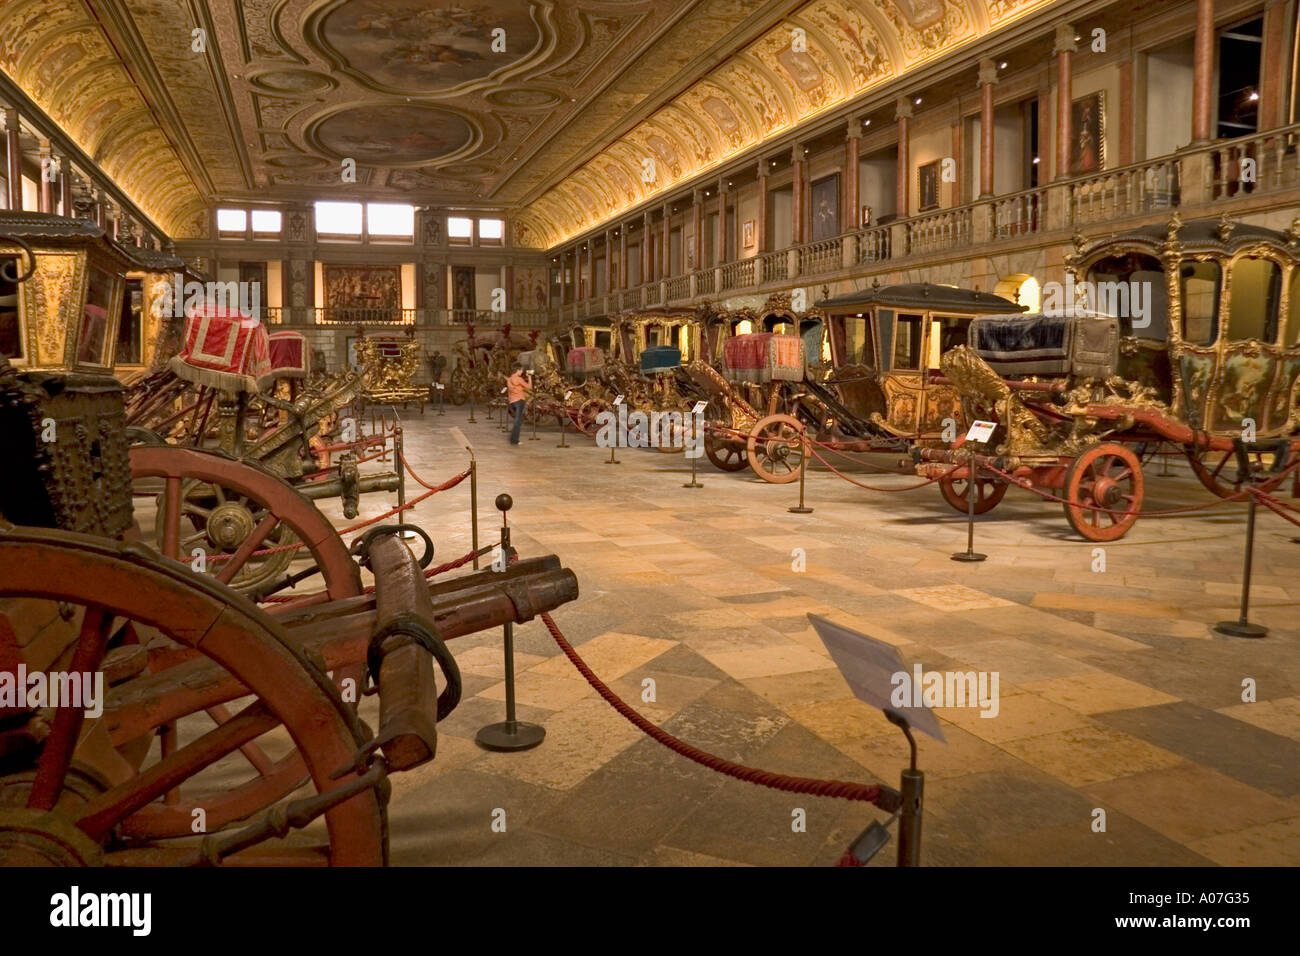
(1114, 694)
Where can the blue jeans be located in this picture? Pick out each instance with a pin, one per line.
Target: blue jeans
(517, 410)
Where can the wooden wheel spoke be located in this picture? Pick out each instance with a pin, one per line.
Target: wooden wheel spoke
(56, 755)
(251, 544)
(255, 755)
(108, 809)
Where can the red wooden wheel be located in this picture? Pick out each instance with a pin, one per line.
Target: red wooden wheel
(231, 509)
(1217, 470)
(776, 449)
(727, 454)
(81, 795)
(988, 492)
(1103, 492)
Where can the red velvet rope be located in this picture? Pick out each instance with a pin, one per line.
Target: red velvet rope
(867, 793)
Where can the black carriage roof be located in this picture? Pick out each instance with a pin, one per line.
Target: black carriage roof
(1198, 232)
(152, 260)
(44, 225)
(923, 295)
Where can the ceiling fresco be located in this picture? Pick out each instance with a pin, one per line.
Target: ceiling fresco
(550, 106)
(821, 55)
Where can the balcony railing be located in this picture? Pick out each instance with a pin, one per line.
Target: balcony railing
(1020, 215)
(873, 244)
(940, 230)
(825, 255)
(1265, 162)
(1203, 177)
(1127, 191)
(776, 266)
(738, 275)
(347, 315)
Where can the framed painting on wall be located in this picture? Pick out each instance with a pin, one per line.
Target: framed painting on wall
(928, 185)
(1088, 133)
(747, 234)
(826, 208)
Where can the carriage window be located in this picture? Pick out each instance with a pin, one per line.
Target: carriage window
(1293, 310)
(907, 343)
(858, 347)
(885, 334)
(779, 324)
(946, 332)
(1132, 288)
(653, 336)
(1200, 293)
(11, 340)
(130, 328)
(684, 342)
(1253, 300)
(743, 327)
(602, 339)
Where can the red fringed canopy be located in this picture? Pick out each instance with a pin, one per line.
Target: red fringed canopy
(764, 357)
(587, 358)
(290, 356)
(224, 349)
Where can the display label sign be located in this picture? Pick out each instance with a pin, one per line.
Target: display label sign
(567, 394)
(699, 407)
(619, 400)
(981, 431)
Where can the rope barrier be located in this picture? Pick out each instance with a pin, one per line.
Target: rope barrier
(867, 793)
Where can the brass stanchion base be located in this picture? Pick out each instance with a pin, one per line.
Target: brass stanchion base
(511, 735)
(1239, 629)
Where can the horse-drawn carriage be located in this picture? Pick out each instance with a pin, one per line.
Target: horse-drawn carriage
(158, 679)
(1182, 335)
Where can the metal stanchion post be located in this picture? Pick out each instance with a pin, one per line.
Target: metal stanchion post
(972, 490)
(693, 483)
(442, 391)
(803, 469)
(511, 734)
(472, 419)
(534, 437)
(473, 506)
(564, 420)
(1242, 626)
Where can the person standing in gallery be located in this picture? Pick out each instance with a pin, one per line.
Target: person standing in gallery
(516, 387)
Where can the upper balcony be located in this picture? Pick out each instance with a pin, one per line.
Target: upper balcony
(1239, 176)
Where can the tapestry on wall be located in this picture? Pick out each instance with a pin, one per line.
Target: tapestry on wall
(530, 288)
(462, 288)
(363, 294)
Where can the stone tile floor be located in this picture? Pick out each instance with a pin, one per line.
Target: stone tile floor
(1115, 695)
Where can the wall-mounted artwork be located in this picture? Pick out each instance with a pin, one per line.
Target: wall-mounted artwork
(690, 252)
(462, 288)
(826, 208)
(928, 185)
(747, 239)
(360, 293)
(530, 287)
(1088, 133)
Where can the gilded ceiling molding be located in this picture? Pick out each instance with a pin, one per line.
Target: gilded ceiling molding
(818, 58)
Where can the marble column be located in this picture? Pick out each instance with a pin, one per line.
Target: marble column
(903, 110)
(988, 77)
(1064, 49)
(1203, 72)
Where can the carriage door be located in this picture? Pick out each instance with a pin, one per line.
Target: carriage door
(1250, 357)
(943, 333)
(902, 383)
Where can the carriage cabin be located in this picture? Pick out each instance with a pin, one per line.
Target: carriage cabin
(634, 332)
(145, 339)
(721, 326)
(885, 344)
(61, 294)
(1205, 319)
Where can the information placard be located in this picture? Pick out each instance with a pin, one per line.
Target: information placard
(981, 431)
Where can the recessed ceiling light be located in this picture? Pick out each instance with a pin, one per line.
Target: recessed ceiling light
(918, 101)
(1035, 160)
(1002, 65)
(867, 123)
(1253, 96)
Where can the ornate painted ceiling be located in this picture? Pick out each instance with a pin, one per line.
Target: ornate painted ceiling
(553, 106)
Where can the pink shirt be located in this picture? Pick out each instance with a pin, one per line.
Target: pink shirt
(516, 385)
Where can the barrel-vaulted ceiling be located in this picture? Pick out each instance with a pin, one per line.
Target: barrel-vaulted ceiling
(551, 106)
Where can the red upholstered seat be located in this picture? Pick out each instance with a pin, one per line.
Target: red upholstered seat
(764, 357)
(224, 349)
(290, 356)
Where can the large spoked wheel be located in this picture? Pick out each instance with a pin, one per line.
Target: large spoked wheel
(988, 492)
(231, 509)
(726, 454)
(1103, 492)
(1217, 470)
(88, 792)
(776, 449)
